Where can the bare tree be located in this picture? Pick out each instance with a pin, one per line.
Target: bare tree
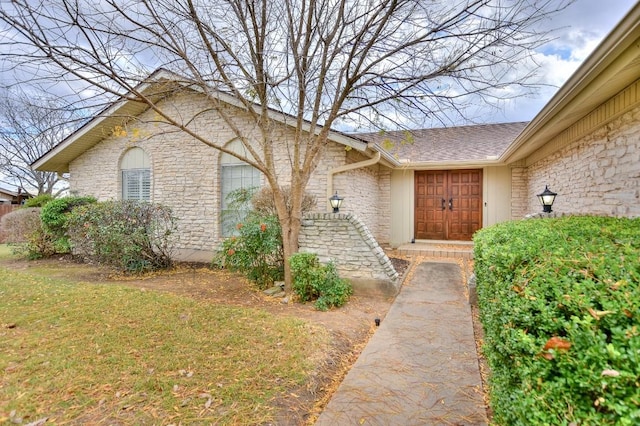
(29, 127)
(325, 63)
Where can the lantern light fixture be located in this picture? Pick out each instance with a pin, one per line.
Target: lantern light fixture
(336, 202)
(547, 198)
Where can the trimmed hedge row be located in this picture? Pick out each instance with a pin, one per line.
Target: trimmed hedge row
(560, 305)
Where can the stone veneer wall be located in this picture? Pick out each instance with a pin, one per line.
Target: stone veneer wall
(519, 191)
(185, 173)
(346, 240)
(367, 193)
(599, 173)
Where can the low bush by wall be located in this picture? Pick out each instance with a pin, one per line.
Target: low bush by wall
(560, 305)
(347, 242)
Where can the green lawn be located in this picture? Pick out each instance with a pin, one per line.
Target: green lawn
(86, 353)
(6, 252)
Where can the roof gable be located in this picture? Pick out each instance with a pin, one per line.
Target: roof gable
(160, 84)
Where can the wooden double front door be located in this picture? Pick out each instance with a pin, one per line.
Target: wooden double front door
(448, 204)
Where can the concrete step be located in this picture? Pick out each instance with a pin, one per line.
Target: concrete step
(436, 248)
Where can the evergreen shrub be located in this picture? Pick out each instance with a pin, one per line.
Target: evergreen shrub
(560, 305)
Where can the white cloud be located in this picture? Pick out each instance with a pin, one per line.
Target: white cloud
(579, 30)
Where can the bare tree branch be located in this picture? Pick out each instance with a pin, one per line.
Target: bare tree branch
(29, 127)
(321, 63)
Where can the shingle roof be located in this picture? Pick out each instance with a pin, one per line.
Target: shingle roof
(462, 143)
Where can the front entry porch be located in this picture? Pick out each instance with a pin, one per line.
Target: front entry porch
(439, 249)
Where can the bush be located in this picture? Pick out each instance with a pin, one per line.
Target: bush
(19, 225)
(314, 281)
(22, 229)
(39, 200)
(54, 217)
(256, 251)
(132, 236)
(560, 301)
(262, 201)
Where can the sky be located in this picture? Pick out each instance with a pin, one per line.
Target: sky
(582, 26)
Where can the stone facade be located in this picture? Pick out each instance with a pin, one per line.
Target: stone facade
(185, 173)
(519, 191)
(599, 173)
(367, 194)
(346, 240)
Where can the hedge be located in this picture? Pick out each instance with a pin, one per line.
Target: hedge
(560, 305)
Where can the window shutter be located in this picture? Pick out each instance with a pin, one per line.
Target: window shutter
(136, 184)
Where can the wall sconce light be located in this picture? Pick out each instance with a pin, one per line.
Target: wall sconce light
(336, 202)
(546, 199)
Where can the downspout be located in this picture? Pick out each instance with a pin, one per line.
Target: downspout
(345, 168)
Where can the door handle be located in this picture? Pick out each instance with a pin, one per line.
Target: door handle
(443, 201)
(451, 204)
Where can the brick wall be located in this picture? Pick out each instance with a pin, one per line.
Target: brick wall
(598, 174)
(346, 240)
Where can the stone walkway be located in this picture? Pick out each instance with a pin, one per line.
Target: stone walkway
(421, 366)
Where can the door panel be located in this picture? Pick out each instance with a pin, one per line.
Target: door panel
(429, 214)
(465, 214)
(448, 204)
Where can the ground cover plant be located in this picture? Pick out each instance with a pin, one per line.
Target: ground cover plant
(560, 305)
(87, 353)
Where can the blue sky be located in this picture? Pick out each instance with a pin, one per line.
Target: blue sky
(582, 26)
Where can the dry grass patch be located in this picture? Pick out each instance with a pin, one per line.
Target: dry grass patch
(81, 353)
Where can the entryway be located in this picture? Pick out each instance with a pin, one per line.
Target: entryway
(448, 204)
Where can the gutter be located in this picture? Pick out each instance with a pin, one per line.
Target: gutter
(347, 167)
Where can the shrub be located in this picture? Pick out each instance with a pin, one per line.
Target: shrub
(132, 236)
(18, 225)
(22, 229)
(560, 301)
(256, 251)
(262, 201)
(54, 217)
(39, 200)
(314, 281)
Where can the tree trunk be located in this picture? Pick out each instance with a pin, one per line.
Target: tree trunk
(290, 224)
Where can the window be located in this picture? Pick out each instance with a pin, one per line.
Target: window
(135, 169)
(235, 175)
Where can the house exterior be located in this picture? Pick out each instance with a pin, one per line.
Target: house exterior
(585, 143)
(13, 197)
(430, 184)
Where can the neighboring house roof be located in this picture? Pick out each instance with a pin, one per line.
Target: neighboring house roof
(613, 66)
(8, 192)
(477, 143)
(158, 85)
